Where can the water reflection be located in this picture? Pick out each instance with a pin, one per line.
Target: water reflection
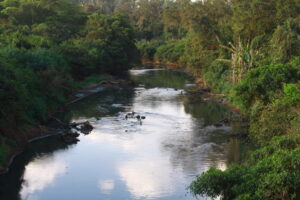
(122, 159)
(161, 78)
(12, 183)
(41, 173)
(106, 186)
(101, 104)
(210, 112)
(147, 179)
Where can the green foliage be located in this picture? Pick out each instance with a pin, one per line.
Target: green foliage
(147, 18)
(107, 48)
(286, 41)
(261, 84)
(170, 52)
(271, 173)
(292, 93)
(211, 183)
(47, 44)
(56, 21)
(148, 49)
(248, 50)
(37, 59)
(200, 52)
(278, 117)
(22, 88)
(217, 76)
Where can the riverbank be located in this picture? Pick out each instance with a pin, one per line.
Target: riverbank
(177, 136)
(34, 132)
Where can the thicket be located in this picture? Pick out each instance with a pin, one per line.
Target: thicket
(46, 48)
(249, 51)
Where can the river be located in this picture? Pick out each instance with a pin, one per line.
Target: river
(125, 159)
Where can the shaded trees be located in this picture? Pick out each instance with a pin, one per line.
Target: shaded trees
(49, 44)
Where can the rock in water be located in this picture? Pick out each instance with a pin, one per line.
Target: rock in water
(86, 128)
(218, 125)
(70, 137)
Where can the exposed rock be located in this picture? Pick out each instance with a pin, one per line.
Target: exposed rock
(70, 137)
(130, 115)
(83, 127)
(86, 128)
(218, 125)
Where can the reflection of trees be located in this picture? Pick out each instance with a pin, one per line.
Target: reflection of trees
(211, 112)
(162, 78)
(193, 152)
(11, 182)
(204, 145)
(200, 149)
(100, 104)
(239, 149)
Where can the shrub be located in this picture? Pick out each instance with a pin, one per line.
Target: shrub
(270, 175)
(217, 76)
(262, 84)
(170, 52)
(277, 117)
(148, 49)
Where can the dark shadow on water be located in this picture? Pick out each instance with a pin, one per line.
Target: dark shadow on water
(163, 78)
(106, 103)
(210, 112)
(11, 182)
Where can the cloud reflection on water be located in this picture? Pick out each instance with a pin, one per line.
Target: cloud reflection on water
(41, 173)
(106, 186)
(121, 159)
(147, 179)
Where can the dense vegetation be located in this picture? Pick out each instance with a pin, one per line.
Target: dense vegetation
(248, 50)
(47, 50)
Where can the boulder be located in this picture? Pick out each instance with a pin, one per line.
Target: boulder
(86, 128)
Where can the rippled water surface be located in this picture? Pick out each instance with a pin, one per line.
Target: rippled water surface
(123, 159)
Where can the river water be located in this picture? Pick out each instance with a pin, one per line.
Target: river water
(124, 159)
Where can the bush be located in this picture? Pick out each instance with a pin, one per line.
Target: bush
(107, 48)
(217, 76)
(269, 175)
(148, 49)
(276, 118)
(24, 75)
(37, 59)
(170, 52)
(262, 84)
